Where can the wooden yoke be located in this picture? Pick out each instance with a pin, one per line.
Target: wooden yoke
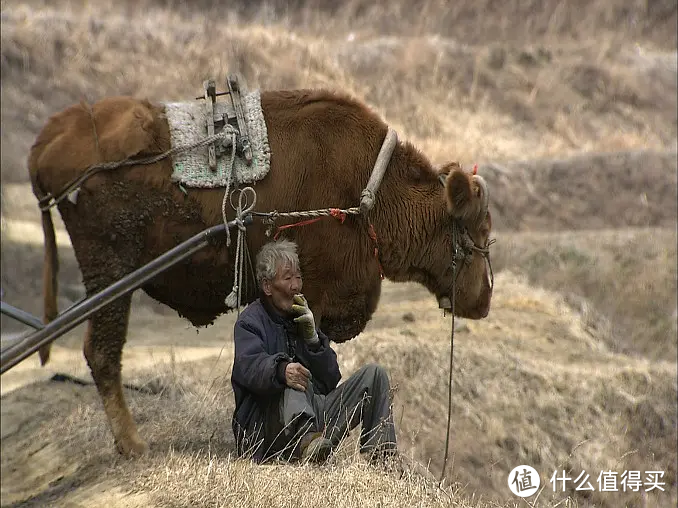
(234, 91)
(210, 108)
(222, 114)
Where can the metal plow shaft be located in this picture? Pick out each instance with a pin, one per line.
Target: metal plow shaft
(72, 317)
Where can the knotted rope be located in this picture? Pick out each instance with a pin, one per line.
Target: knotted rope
(338, 213)
(367, 200)
(234, 299)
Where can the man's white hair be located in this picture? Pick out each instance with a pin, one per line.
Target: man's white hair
(280, 252)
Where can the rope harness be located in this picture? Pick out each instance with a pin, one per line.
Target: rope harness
(464, 246)
(234, 299)
(367, 200)
(49, 201)
(338, 213)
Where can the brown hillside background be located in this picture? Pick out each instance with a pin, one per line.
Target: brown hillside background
(569, 109)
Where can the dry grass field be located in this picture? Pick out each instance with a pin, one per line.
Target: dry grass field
(569, 110)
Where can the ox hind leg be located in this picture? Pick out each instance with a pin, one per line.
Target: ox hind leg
(103, 350)
(102, 263)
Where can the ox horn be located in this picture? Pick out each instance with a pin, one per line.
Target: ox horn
(486, 194)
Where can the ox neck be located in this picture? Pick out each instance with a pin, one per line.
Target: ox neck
(402, 231)
(403, 218)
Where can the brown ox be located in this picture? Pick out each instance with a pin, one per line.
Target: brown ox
(323, 148)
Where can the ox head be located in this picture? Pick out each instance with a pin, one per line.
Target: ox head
(460, 246)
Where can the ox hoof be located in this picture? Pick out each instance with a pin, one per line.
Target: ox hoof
(130, 447)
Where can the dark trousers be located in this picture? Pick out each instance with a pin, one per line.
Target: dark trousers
(362, 398)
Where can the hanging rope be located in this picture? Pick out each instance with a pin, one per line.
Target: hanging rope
(449, 381)
(234, 298)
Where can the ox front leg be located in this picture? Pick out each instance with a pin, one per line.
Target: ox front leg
(103, 350)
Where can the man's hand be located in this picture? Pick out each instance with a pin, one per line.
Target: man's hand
(305, 321)
(297, 376)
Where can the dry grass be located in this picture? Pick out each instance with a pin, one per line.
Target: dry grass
(480, 22)
(191, 462)
(524, 394)
(575, 368)
(591, 191)
(622, 281)
(592, 410)
(540, 97)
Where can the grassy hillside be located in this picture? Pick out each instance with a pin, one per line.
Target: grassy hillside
(549, 393)
(569, 108)
(469, 99)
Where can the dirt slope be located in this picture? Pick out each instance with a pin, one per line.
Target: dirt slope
(593, 409)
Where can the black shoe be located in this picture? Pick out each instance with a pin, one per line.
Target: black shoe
(315, 448)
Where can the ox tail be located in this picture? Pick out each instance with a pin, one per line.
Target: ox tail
(49, 278)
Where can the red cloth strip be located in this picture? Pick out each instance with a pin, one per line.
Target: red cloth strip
(341, 217)
(373, 236)
(294, 224)
(338, 214)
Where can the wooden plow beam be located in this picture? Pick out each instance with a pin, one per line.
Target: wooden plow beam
(81, 311)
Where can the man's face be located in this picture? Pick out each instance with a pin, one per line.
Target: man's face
(283, 287)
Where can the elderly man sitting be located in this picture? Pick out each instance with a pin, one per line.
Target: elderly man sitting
(285, 376)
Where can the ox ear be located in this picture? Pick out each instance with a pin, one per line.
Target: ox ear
(448, 168)
(466, 195)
